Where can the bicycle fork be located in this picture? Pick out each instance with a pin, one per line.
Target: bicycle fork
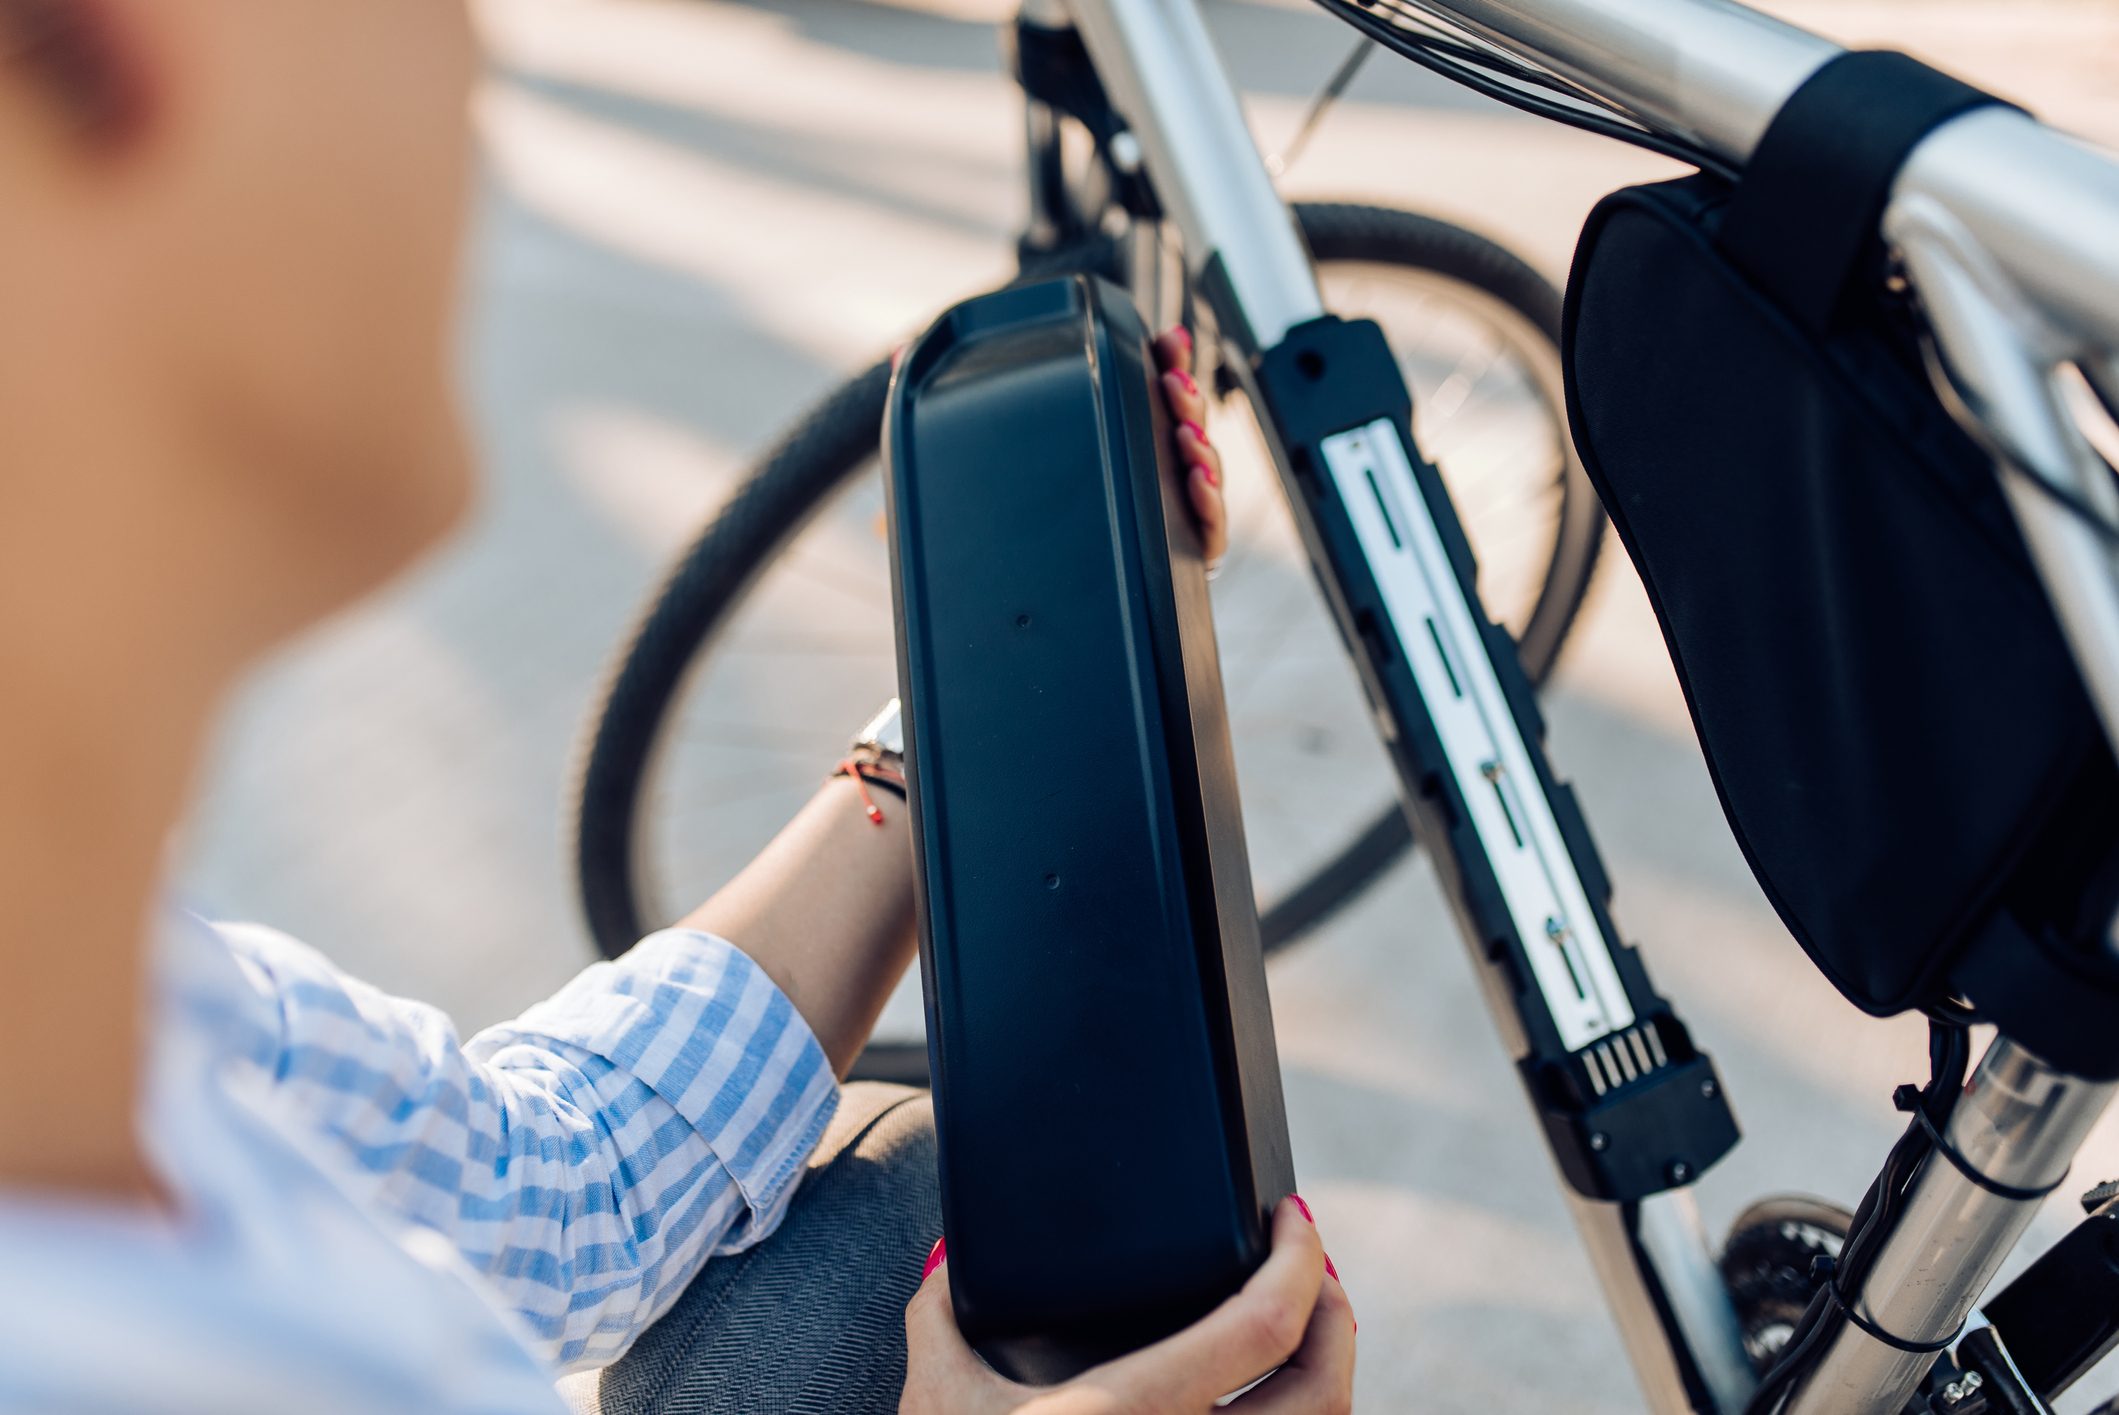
(1632, 1110)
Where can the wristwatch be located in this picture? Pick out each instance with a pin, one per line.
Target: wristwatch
(882, 741)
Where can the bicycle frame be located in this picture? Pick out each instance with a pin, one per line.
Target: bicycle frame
(2011, 302)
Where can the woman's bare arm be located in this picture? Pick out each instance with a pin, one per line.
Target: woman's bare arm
(826, 911)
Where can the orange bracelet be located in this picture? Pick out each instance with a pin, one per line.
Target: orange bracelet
(862, 773)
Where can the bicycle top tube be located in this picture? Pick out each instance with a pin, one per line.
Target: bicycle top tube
(2044, 205)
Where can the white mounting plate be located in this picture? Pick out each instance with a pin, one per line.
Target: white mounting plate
(1436, 630)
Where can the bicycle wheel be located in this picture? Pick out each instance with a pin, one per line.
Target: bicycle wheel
(772, 636)
(1766, 1265)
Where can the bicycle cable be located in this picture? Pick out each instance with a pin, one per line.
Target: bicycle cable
(1280, 162)
(1949, 1055)
(1410, 19)
(2072, 501)
(1487, 70)
(2007, 459)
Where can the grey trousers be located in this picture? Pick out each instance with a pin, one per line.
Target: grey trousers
(813, 1318)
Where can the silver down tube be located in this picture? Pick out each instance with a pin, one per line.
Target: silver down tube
(1661, 1242)
(2019, 1123)
(1164, 77)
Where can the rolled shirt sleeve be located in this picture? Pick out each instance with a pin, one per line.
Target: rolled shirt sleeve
(588, 1157)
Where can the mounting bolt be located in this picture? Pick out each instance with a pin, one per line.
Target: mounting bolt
(1680, 1172)
(1708, 1090)
(1599, 1141)
(1125, 153)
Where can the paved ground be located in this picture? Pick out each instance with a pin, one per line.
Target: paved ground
(700, 216)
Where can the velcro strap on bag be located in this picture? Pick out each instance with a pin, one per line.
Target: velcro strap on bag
(1804, 218)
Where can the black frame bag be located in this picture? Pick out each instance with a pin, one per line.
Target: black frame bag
(1899, 737)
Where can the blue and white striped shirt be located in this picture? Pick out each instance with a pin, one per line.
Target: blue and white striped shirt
(372, 1216)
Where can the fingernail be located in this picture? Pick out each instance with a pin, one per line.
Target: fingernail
(1196, 430)
(1184, 378)
(1329, 1268)
(1214, 479)
(935, 1259)
(1304, 1207)
(1181, 334)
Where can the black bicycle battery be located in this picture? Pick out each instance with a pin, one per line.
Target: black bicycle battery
(1107, 1096)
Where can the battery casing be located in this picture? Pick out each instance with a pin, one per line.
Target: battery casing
(1113, 1137)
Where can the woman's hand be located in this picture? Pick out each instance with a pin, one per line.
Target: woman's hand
(1292, 1315)
(1200, 461)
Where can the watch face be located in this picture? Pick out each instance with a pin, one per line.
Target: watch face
(886, 729)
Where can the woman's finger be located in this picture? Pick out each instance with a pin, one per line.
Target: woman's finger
(1187, 404)
(1173, 349)
(1239, 1341)
(1202, 461)
(1203, 490)
(1199, 459)
(1197, 451)
(1319, 1378)
(943, 1375)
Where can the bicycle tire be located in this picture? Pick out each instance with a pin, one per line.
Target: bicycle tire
(833, 440)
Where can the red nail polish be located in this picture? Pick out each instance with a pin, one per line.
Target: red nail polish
(1196, 430)
(1181, 334)
(1329, 1268)
(1184, 378)
(1214, 479)
(935, 1259)
(1304, 1207)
